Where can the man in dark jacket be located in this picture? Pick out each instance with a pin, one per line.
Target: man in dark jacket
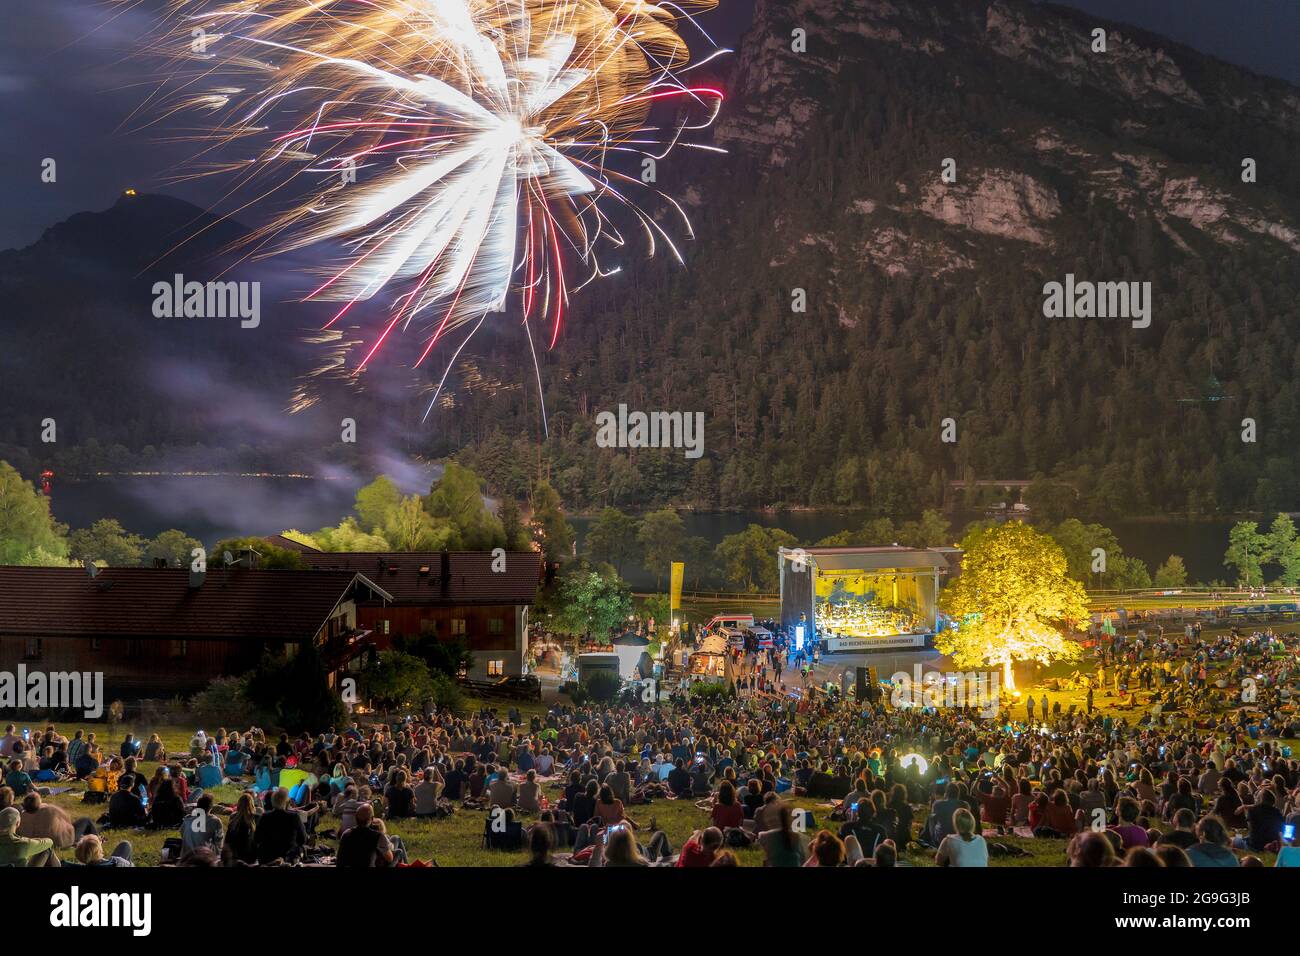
(280, 834)
(125, 808)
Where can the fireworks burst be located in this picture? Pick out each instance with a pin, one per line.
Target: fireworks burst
(460, 152)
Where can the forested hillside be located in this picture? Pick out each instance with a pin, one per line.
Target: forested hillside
(925, 299)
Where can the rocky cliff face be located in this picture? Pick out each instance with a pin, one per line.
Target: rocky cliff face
(1119, 129)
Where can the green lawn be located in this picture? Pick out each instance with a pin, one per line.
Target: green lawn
(457, 840)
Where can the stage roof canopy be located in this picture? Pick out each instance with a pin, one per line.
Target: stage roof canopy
(875, 559)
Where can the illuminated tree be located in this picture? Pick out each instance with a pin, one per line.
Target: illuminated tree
(1012, 598)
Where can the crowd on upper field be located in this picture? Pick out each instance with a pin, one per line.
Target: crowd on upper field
(1180, 765)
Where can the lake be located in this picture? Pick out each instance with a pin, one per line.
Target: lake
(212, 507)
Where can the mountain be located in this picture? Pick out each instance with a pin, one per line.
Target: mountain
(80, 343)
(925, 298)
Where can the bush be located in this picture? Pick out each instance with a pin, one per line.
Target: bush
(446, 694)
(223, 701)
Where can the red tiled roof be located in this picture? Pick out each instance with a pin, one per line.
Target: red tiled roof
(471, 581)
(159, 603)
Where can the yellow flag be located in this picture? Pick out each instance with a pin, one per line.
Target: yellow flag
(678, 572)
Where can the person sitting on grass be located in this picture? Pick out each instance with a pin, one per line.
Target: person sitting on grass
(1215, 848)
(399, 798)
(609, 808)
(541, 843)
(782, 845)
(281, 834)
(826, 849)
(90, 852)
(125, 808)
(154, 751)
(427, 793)
(726, 811)
(201, 829)
(42, 819)
(167, 809)
(240, 844)
(18, 850)
(1183, 835)
(1131, 834)
(366, 844)
(862, 827)
(208, 775)
(701, 849)
(964, 847)
(530, 793)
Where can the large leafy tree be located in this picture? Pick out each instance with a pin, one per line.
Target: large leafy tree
(268, 555)
(409, 527)
(592, 604)
(108, 542)
(661, 536)
(612, 539)
(1284, 548)
(375, 502)
(748, 558)
(1171, 574)
(348, 535)
(512, 526)
(1247, 551)
(1013, 598)
(172, 546)
(456, 499)
(932, 530)
(448, 657)
(396, 680)
(296, 690)
(28, 532)
(552, 531)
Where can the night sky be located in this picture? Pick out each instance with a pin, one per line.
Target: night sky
(68, 87)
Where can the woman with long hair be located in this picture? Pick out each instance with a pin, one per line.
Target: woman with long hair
(238, 847)
(782, 846)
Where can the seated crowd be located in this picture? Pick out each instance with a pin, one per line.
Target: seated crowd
(1192, 780)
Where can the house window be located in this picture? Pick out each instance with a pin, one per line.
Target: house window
(496, 625)
(458, 625)
(96, 643)
(496, 668)
(34, 649)
(180, 648)
(383, 627)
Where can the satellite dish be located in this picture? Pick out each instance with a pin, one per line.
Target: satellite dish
(228, 558)
(90, 568)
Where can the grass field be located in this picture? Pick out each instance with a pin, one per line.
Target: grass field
(457, 840)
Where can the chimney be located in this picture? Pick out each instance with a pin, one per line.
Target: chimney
(445, 572)
(248, 558)
(196, 579)
(160, 562)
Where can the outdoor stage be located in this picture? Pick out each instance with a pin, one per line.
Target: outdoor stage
(864, 599)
